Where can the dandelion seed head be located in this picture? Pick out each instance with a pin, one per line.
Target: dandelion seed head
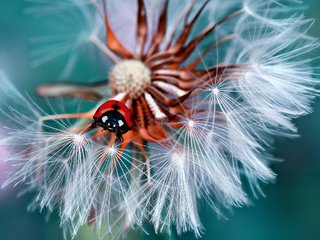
(191, 123)
(215, 91)
(178, 157)
(207, 85)
(79, 139)
(131, 77)
(112, 150)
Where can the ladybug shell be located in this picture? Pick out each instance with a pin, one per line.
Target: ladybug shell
(108, 106)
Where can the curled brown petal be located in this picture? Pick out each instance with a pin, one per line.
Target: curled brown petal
(178, 53)
(154, 129)
(182, 38)
(161, 30)
(94, 91)
(184, 17)
(177, 82)
(112, 41)
(187, 29)
(181, 74)
(163, 99)
(203, 54)
(142, 28)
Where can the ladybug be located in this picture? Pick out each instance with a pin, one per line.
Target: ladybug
(113, 116)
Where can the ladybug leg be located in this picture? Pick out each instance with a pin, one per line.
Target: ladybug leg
(95, 124)
(119, 135)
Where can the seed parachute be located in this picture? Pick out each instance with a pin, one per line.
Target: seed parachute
(195, 92)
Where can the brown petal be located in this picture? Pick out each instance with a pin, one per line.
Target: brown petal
(94, 91)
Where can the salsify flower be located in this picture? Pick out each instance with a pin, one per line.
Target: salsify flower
(207, 84)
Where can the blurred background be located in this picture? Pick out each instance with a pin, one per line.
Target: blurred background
(290, 210)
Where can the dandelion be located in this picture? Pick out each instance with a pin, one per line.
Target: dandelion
(206, 83)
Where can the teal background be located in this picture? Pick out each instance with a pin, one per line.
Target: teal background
(290, 210)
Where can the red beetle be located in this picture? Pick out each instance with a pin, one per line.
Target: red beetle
(113, 116)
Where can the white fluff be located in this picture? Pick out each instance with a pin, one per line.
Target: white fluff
(206, 158)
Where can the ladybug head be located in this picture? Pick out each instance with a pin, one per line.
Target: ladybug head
(113, 121)
(110, 116)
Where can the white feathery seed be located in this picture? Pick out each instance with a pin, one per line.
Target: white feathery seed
(224, 141)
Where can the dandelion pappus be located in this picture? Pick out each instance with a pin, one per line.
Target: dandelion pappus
(113, 116)
(208, 84)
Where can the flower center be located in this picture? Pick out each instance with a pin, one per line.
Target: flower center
(131, 77)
